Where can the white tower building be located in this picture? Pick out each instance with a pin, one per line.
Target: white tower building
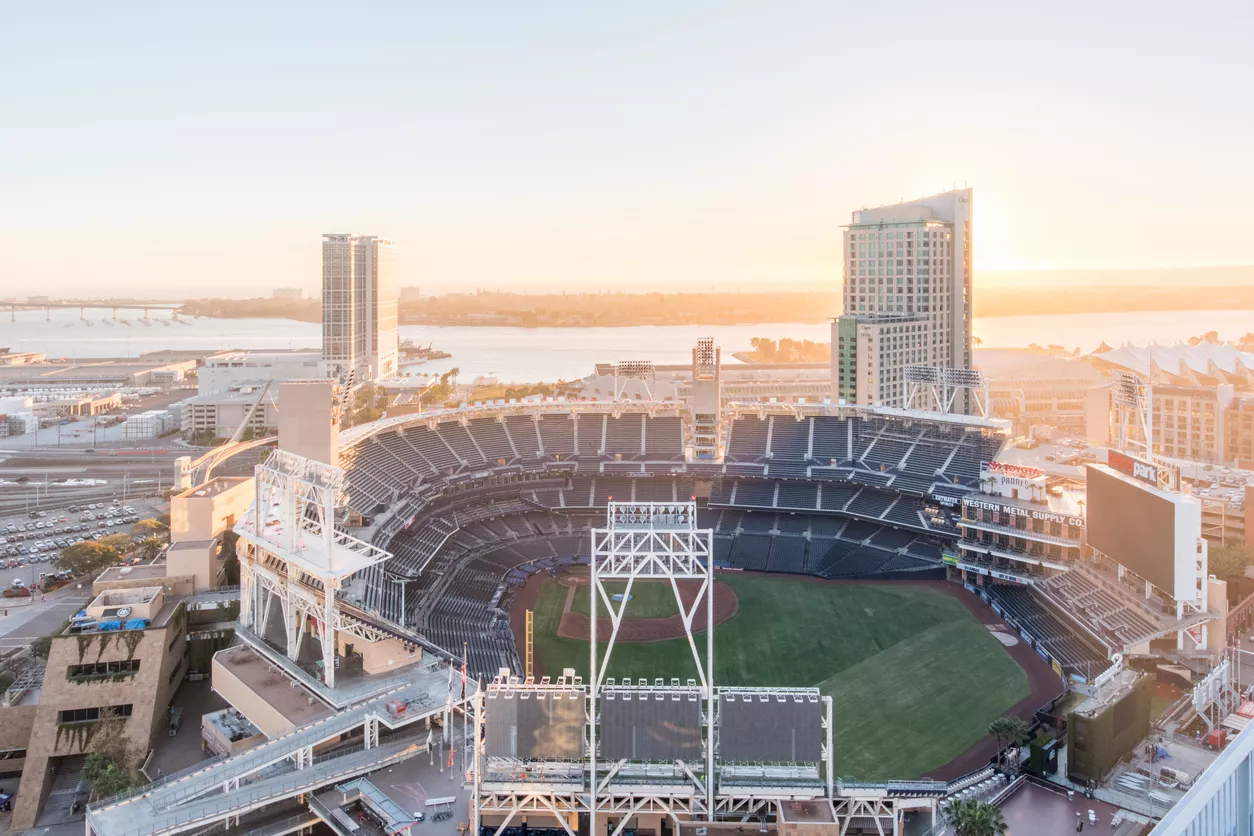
(907, 298)
(359, 307)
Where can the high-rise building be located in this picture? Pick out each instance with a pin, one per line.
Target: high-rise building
(907, 297)
(359, 301)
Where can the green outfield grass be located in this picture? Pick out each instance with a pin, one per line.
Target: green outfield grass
(649, 599)
(915, 678)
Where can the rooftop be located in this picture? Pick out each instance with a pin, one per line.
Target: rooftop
(297, 704)
(192, 545)
(217, 485)
(1069, 501)
(129, 573)
(106, 609)
(1036, 809)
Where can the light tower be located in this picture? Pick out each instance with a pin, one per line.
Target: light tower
(1132, 405)
(707, 400)
(656, 541)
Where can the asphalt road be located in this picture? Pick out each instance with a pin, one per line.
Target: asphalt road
(21, 624)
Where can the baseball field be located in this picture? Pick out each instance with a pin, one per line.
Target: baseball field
(915, 676)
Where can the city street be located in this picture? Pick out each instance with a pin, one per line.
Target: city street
(36, 619)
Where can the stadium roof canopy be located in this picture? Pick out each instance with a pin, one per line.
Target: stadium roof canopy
(1183, 364)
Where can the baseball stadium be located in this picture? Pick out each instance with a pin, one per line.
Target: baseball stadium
(828, 530)
(622, 618)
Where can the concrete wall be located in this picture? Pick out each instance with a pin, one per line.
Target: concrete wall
(198, 559)
(16, 723)
(378, 657)
(204, 512)
(252, 705)
(307, 425)
(160, 651)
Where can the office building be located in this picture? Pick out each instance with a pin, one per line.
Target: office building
(907, 297)
(359, 303)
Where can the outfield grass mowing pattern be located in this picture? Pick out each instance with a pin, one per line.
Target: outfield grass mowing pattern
(649, 599)
(915, 678)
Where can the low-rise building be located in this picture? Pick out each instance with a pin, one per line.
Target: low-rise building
(1020, 526)
(151, 424)
(220, 415)
(234, 370)
(205, 511)
(118, 662)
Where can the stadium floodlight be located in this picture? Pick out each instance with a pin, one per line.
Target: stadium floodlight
(705, 354)
(625, 370)
(1126, 387)
(962, 378)
(922, 374)
(940, 386)
(642, 369)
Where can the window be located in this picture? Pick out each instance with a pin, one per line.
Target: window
(87, 715)
(102, 670)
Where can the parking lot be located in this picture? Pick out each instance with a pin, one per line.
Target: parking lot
(30, 542)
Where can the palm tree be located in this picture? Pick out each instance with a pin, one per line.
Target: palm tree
(975, 818)
(1007, 731)
(150, 547)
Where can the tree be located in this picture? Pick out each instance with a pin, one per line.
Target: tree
(975, 818)
(105, 777)
(1008, 731)
(87, 558)
(121, 544)
(764, 348)
(109, 767)
(150, 528)
(1229, 561)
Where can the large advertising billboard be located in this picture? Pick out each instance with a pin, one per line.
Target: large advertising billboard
(1134, 526)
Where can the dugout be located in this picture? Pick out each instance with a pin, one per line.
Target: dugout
(1101, 732)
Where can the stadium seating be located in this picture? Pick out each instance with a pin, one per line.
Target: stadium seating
(472, 508)
(1055, 632)
(790, 438)
(1107, 609)
(788, 554)
(747, 441)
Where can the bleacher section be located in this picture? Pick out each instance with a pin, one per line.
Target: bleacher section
(1106, 607)
(874, 450)
(862, 501)
(1064, 641)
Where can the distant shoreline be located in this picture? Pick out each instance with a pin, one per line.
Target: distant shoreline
(627, 310)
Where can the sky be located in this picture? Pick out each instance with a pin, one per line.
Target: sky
(187, 149)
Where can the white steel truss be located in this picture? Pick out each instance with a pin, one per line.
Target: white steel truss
(1132, 412)
(653, 541)
(293, 553)
(882, 811)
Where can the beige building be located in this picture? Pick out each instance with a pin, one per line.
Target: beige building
(907, 297)
(221, 414)
(120, 663)
(205, 511)
(309, 426)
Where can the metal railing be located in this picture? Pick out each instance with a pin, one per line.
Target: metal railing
(149, 821)
(340, 696)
